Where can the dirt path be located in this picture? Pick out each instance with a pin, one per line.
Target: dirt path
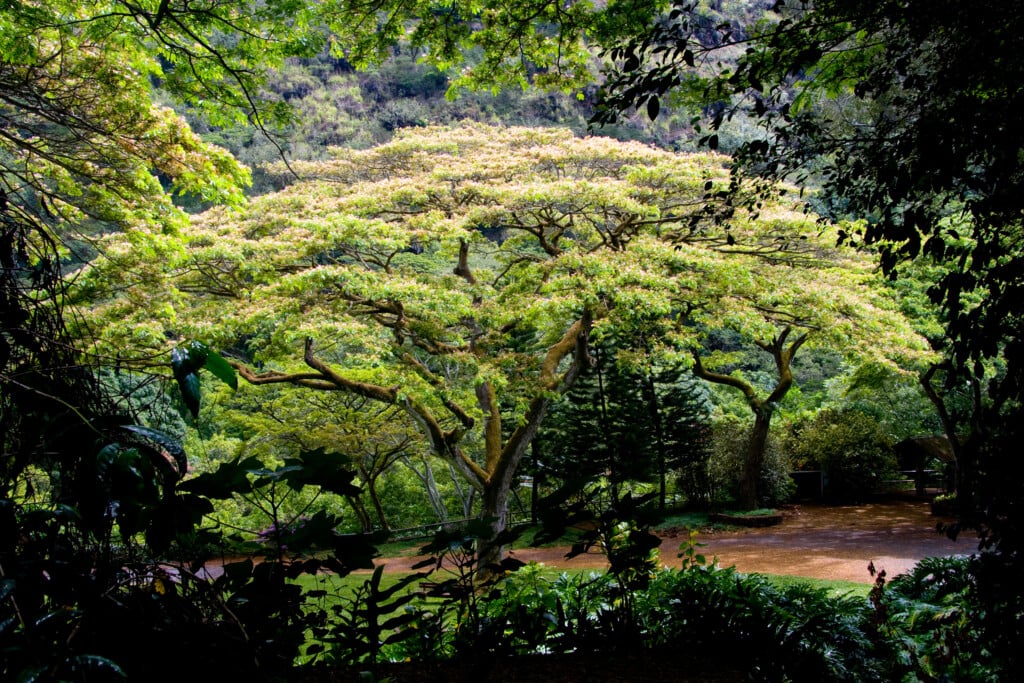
(812, 541)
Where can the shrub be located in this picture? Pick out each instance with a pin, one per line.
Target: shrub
(850, 447)
(931, 619)
(729, 444)
(793, 633)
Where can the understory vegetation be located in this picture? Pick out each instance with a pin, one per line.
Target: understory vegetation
(917, 627)
(281, 612)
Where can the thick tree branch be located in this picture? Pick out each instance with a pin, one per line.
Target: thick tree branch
(728, 380)
(569, 342)
(444, 443)
(783, 362)
(302, 379)
(492, 425)
(783, 357)
(462, 269)
(576, 342)
(373, 391)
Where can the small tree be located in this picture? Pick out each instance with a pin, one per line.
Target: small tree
(628, 423)
(851, 448)
(763, 408)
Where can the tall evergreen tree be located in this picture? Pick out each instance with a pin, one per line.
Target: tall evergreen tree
(629, 424)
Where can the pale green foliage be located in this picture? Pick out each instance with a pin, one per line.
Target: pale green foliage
(355, 225)
(559, 237)
(81, 136)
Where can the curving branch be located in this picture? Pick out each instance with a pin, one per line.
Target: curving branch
(462, 269)
(302, 379)
(374, 391)
(575, 342)
(782, 355)
(748, 390)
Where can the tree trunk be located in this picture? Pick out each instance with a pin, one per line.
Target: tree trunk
(535, 480)
(494, 503)
(497, 488)
(761, 407)
(949, 422)
(491, 551)
(365, 523)
(754, 462)
(371, 488)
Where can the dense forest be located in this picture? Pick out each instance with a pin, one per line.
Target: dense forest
(286, 281)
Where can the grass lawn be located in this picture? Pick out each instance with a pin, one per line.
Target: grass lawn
(346, 585)
(689, 520)
(834, 587)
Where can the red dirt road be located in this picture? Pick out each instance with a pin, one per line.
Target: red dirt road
(813, 541)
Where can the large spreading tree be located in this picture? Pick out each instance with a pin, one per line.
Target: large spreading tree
(84, 150)
(460, 273)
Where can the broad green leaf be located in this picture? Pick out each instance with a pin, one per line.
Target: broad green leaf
(330, 471)
(221, 369)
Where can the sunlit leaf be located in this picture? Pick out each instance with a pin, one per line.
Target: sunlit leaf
(221, 369)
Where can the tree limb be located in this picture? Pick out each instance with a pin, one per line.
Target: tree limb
(563, 347)
(462, 269)
(492, 425)
(748, 390)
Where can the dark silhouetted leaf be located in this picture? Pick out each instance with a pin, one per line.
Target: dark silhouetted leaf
(167, 449)
(653, 107)
(329, 471)
(96, 665)
(229, 478)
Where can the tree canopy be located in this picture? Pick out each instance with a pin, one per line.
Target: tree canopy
(459, 274)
